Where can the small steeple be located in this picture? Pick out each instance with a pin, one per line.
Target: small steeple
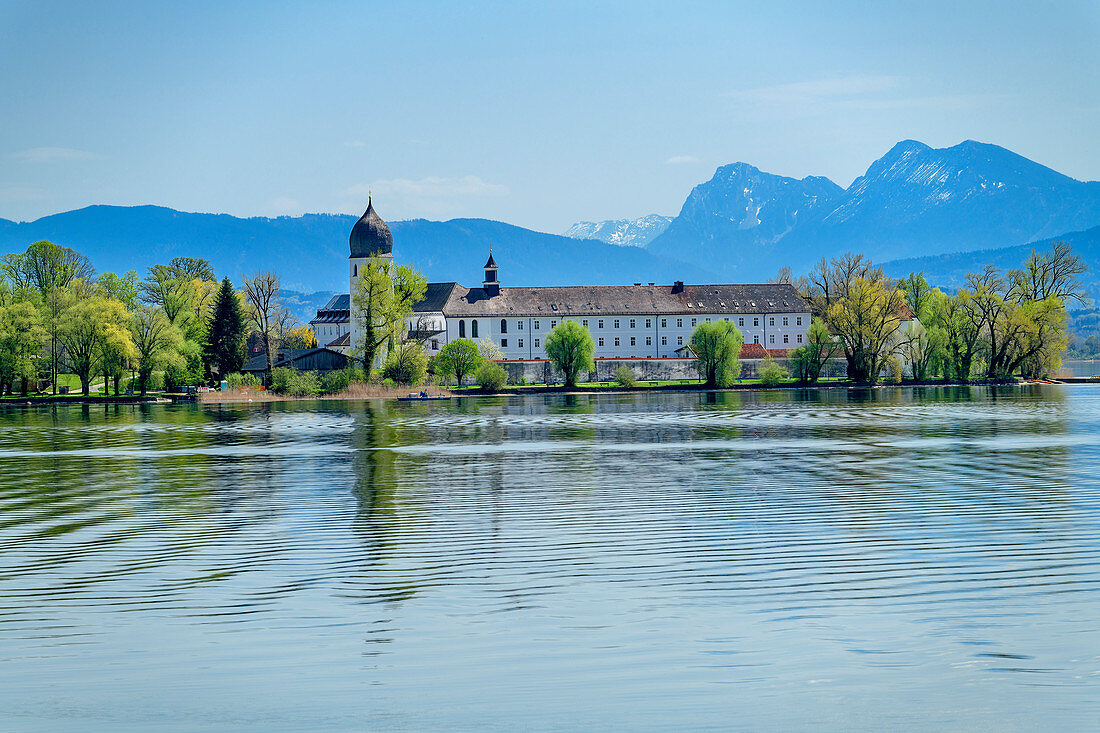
(491, 284)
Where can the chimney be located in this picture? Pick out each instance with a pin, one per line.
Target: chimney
(678, 286)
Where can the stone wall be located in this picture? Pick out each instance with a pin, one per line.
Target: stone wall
(645, 370)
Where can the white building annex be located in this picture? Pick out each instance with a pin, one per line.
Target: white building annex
(635, 321)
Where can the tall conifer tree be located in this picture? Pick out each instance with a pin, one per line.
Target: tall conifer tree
(226, 340)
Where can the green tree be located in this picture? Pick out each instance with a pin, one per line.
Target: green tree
(156, 341)
(407, 364)
(771, 374)
(866, 319)
(570, 348)
(918, 294)
(459, 357)
(716, 346)
(91, 327)
(45, 266)
(123, 288)
(225, 333)
(809, 360)
(267, 312)
(381, 302)
(492, 376)
(21, 338)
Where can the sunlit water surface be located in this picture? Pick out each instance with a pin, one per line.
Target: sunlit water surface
(890, 559)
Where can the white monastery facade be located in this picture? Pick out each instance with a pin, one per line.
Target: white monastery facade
(636, 321)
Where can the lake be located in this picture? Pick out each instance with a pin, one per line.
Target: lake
(867, 559)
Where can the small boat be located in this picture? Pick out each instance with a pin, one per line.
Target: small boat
(413, 397)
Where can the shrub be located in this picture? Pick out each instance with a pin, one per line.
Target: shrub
(336, 381)
(492, 377)
(285, 380)
(237, 380)
(624, 376)
(893, 370)
(772, 374)
(407, 364)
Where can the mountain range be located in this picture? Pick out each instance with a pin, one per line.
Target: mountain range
(742, 225)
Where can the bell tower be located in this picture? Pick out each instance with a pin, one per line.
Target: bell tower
(491, 284)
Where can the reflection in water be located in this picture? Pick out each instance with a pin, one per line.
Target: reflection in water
(926, 557)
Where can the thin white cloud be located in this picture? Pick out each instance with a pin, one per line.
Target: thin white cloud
(812, 91)
(49, 155)
(681, 159)
(355, 144)
(432, 196)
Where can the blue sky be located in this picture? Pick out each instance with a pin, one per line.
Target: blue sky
(539, 114)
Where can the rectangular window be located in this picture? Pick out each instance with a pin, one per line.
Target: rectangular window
(536, 325)
(708, 320)
(585, 323)
(756, 338)
(648, 323)
(648, 340)
(599, 323)
(771, 338)
(679, 340)
(741, 322)
(799, 338)
(679, 323)
(785, 320)
(664, 341)
(616, 340)
(435, 344)
(786, 339)
(771, 321)
(616, 323)
(521, 343)
(536, 343)
(632, 323)
(632, 341)
(519, 325)
(693, 323)
(601, 340)
(756, 322)
(504, 343)
(553, 325)
(664, 323)
(798, 321)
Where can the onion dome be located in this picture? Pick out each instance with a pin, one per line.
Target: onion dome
(370, 236)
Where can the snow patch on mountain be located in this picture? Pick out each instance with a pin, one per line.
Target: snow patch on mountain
(622, 232)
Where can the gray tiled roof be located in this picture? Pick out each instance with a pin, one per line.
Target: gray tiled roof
(627, 300)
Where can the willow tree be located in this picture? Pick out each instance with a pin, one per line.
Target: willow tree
(45, 266)
(156, 341)
(382, 300)
(570, 347)
(716, 346)
(866, 319)
(92, 328)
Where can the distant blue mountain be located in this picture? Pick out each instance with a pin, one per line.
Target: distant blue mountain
(949, 271)
(914, 199)
(310, 252)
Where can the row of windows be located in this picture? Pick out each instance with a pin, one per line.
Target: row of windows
(648, 341)
(615, 324)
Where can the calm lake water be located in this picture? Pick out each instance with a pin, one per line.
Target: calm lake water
(898, 559)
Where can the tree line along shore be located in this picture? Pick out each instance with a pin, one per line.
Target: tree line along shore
(65, 326)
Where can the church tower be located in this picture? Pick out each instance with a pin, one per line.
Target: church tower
(370, 237)
(491, 284)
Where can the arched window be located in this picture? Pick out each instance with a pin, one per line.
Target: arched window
(462, 329)
(473, 329)
(355, 270)
(503, 326)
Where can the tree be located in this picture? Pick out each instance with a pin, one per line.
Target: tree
(266, 311)
(918, 294)
(91, 326)
(1053, 274)
(716, 346)
(21, 338)
(809, 360)
(382, 301)
(123, 288)
(459, 357)
(489, 349)
(54, 306)
(300, 337)
(225, 333)
(866, 319)
(156, 342)
(921, 347)
(570, 348)
(45, 266)
(407, 364)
